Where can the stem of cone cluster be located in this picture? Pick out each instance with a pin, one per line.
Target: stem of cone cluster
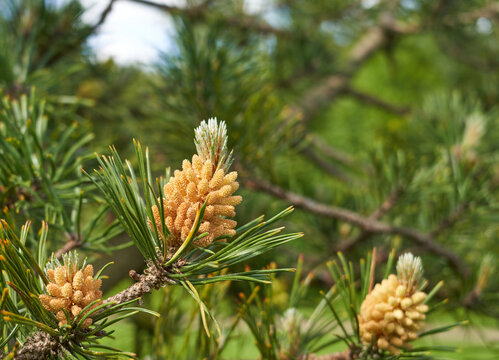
(154, 277)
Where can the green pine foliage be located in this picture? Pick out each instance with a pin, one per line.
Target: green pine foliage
(355, 125)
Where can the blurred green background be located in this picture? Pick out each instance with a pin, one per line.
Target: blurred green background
(377, 119)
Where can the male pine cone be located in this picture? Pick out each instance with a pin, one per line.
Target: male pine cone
(187, 191)
(392, 312)
(205, 179)
(72, 290)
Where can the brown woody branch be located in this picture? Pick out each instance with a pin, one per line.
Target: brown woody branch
(372, 100)
(373, 40)
(490, 11)
(318, 97)
(191, 11)
(386, 206)
(39, 345)
(199, 13)
(77, 44)
(313, 146)
(450, 220)
(104, 15)
(73, 241)
(154, 277)
(329, 168)
(333, 153)
(373, 226)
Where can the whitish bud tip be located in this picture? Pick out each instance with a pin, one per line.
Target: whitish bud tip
(410, 268)
(211, 143)
(474, 130)
(291, 320)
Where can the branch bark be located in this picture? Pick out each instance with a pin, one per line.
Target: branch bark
(318, 97)
(154, 277)
(77, 44)
(198, 13)
(324, 148)
(73, 241)
(323, 164)
(368, 225)
(372, 100)
(39, 345)
(450, 220)
(387, 205)
(490, 11)
(104, 15)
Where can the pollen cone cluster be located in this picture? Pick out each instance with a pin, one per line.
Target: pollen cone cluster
(393, 312)
(187, 191)
(72, 290)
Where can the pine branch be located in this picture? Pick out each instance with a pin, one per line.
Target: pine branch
(192, 12)
(37, 346)
(326, 149)
(159, 274)
(314, 206)
(369, 225)
(199, 13)
(154, 277)
(73, 242)
(450, 220)
(490, 11)
(332, 170)
(318, 97)
(372, 100)
(165, 264)
(77, 44)
(103, 15)
(386, 206)
(372, 41)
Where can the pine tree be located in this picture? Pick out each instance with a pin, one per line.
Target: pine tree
(376, 120)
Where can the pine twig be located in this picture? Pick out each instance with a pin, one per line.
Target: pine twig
(324, 165)
(104, 15)
(37, 346)
(198, 13)
(76, 45)
(154, 277)
(386, 206)
(490, 11)
(372, 100)
(450, 220)
(73, 241)
(326, 149)
(373, 40)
